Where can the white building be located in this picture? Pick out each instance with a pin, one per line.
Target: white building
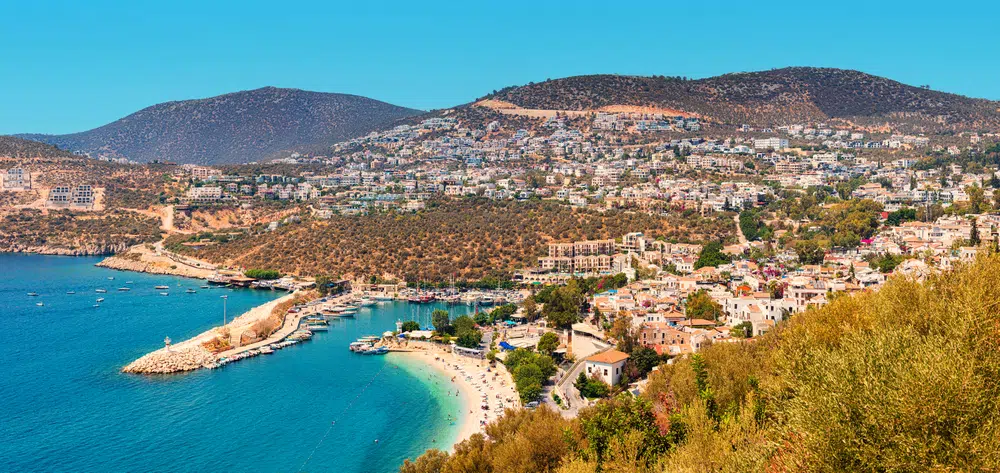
(204, 194)
(608, 366)
(772, 143)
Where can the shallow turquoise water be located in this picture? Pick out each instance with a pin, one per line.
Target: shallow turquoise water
(64, 405)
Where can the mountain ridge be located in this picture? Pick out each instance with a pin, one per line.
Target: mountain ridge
(236, 127)
(776, 96)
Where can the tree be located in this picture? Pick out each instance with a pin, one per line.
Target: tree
(530, 309)
(700, 305)
(563, 307)
(528, 380)
(975, 198)
(265, 274)
(548, 343)
(711, 255)
(974, 234)
(469, 339)
(323, 284)
(441, 321)
(624, 333)
(809, 252)
(462, 324)
(742, 330)
(644, 359)
(591, 388)
(410, 325)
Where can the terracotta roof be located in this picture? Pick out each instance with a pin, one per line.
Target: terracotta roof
(609, 357)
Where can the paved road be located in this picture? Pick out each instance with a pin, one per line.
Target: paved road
(583, 347)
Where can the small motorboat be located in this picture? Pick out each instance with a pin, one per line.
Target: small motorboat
(97, 305)
(101, 291)
(205, 286)
(190, 291)
(39, 304)
(164, 293)
(111, 278)
(161, 287)
(100, 299)
(32, 294)
(124, 289)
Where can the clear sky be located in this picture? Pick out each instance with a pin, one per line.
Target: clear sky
(71, 66)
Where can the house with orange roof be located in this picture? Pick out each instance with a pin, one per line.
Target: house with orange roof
(608, 366)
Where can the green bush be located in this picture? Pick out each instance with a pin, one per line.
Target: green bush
(265, 274)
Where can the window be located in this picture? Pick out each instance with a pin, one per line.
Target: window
(605, 371)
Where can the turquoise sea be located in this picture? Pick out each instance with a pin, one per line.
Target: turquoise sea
(64, 405)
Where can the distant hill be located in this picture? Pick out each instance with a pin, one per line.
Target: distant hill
(777, 96)
(19, 148)
(233, 128)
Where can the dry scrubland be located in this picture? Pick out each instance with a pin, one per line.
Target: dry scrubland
(467, 239)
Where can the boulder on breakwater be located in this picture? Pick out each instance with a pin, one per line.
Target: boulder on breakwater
(165, 361)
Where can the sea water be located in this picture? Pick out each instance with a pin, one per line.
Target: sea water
(315, 406)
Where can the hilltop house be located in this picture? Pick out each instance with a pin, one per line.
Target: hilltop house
(608, 366)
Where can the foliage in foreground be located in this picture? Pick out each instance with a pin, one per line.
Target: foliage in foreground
(905, 379)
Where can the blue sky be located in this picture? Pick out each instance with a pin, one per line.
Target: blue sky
(72, 66)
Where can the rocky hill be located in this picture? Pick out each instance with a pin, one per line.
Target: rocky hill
(233, 128)
(19, 148)
(772, 97)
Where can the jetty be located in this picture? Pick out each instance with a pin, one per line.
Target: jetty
(191, 354)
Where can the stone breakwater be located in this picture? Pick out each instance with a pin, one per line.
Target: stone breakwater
(165, 361)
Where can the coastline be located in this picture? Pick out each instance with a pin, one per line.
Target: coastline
(140, 258)
(472, 380)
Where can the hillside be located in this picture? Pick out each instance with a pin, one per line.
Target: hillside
(466, 239)
(905, 379)
(18, 148)
(779, 96)
(233, 128)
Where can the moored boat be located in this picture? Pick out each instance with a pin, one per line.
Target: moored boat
(124, 289)
(100, 291)
(161, 287)
(32, 294)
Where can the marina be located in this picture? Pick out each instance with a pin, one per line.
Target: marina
(129, 324)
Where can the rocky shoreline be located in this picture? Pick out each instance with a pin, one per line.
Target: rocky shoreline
(142, 259)
(83, 250)
(125, 264)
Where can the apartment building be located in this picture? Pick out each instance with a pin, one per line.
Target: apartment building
(71, 196)
(16, 179)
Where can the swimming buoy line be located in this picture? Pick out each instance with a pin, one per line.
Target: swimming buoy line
(334, 422)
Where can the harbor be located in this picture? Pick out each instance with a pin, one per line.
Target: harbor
(64, 384)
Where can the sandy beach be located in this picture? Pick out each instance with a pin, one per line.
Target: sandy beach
(493, 388)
